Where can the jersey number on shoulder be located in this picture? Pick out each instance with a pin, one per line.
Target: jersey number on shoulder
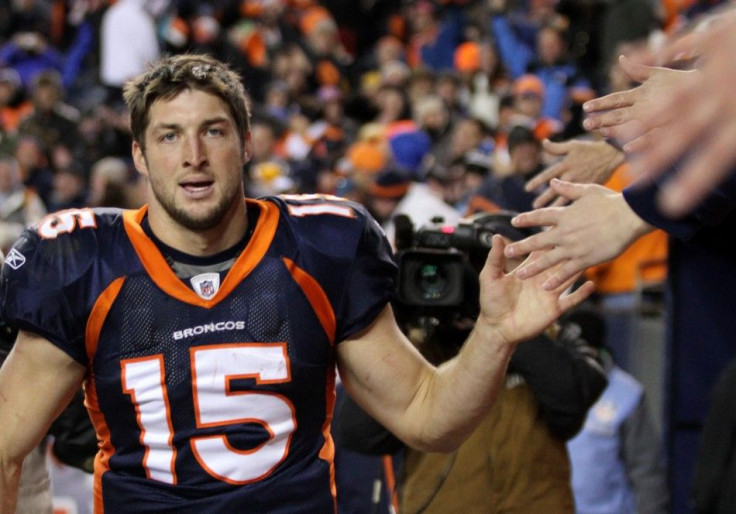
(315, 204)
(63, 222)
(215, 405)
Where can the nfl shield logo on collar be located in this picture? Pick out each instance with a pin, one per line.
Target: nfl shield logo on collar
(206, 285)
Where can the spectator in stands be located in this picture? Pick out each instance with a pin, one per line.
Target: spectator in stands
(35, 167)
(128, 42)
(385, 192)
(70, 188)
(432, 116)
(485, 78)
(505, 190)
(14, 105)
(434, 34)
(20, 206)
(28, 53)
(111, 184)
(529, 94)
(52, 121)
(563, 82)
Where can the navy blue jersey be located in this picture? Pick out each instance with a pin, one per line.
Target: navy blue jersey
(206, 405)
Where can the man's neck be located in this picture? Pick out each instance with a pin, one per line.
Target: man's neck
(224, 235)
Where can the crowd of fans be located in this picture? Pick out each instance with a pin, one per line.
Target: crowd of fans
(357, 100)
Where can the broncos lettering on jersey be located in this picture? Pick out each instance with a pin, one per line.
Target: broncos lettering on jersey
(206, 405)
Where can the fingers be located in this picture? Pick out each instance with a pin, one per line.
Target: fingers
(545, 198)
(495, 261)
(644, 141)
(675, 138)
(569, 190)
(716, 156)
(636, 71)
(606, 122)
(565, 284)
(531, 244)
(627, 131)
(618, 100)
(679, 49)
(554, 148)
(545, 176)
(539, 263)
(571, 300)
(566, 274)
(560, 201)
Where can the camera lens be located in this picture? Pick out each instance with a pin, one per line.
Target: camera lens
(432, 281)
(431, 277)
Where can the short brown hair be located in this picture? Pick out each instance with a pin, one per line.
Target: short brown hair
(171, 75)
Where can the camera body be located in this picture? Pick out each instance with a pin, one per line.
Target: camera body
(439, 265)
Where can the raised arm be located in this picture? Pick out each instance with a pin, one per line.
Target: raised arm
(434, 409)
(596, 227)
(580, 161)
(36, 382)
(705, 124)
(628, 116)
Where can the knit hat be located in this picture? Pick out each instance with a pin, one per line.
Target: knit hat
(391, 183)
(529, 85)
(467, 56)
(366, 156)
(409, 145)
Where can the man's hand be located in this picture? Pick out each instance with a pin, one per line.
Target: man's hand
(515, 310)
(596, 227)
(582, 162)
(705, 119)
(628, 116)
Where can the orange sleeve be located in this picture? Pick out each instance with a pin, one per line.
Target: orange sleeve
(645, 261)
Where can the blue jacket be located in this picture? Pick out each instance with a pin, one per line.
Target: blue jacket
(520, 58)
(599, 475)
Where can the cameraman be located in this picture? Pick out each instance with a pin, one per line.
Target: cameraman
(516, 461)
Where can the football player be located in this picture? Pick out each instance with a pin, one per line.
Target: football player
(207, 327)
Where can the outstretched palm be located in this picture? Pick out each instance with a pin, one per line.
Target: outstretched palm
(518, 309)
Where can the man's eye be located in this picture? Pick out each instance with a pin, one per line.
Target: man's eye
(169, 136)
(213, 131)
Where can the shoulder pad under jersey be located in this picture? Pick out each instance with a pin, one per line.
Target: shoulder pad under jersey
(55, 271)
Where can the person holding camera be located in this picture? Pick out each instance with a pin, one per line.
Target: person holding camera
(516, 459)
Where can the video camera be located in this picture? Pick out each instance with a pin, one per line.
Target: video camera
(439, 265)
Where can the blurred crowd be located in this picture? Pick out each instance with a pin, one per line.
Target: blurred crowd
(358, 99)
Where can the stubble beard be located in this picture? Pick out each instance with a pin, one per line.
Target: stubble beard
(197, 222)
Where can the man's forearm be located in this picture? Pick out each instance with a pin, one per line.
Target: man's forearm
(9, 480)
(467, 386)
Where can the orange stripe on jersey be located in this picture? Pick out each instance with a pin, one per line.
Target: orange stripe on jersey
(92, 336)
(316, 297)
(165, 278)
(388, 470)
(327, 452)
(98, 315)
(107, 450)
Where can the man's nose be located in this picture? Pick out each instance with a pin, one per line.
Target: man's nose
(196, 154)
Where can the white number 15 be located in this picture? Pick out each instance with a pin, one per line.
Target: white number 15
(216, 405)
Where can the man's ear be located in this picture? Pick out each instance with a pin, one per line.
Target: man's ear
(247, 147)
(139, 159)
